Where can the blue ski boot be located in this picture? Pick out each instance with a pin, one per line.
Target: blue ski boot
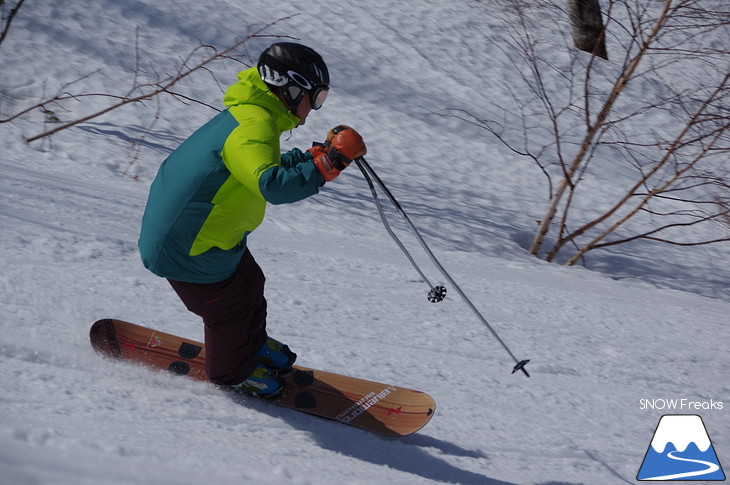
(275, 355)
(262, 382)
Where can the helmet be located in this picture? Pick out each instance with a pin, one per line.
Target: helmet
(293, 70)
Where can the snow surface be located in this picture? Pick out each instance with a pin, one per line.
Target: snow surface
(651, 325)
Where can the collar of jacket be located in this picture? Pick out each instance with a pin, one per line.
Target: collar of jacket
(251, 89)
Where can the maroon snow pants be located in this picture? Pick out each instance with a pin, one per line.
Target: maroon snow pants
(234, 314)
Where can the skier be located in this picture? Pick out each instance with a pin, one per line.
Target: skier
(212, 191)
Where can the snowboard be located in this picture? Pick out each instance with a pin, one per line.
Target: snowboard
(384, 409)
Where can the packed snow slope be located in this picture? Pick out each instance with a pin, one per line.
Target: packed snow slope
(651, 326)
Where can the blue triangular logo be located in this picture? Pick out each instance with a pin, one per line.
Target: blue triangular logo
(680, 450)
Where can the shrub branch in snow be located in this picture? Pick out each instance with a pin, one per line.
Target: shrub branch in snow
(575, 113)
(197, 60)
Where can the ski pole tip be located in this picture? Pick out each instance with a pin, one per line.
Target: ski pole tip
(521, 366)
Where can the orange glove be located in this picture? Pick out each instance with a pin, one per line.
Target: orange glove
(346, 141)
(324, 164)
(343, 145)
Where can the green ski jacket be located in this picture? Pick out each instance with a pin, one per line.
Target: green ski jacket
(212, 191)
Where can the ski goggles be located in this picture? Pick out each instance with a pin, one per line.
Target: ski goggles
(317, 95)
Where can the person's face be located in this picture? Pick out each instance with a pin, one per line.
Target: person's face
(303, 110)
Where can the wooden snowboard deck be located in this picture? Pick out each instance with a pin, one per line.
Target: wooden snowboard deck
(381, 408)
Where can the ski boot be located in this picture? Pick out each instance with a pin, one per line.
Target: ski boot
(263, 382)
(275, 356)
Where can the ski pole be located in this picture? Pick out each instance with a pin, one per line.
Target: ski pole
(437, 293)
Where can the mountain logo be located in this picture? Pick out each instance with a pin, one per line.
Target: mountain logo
(680, 450)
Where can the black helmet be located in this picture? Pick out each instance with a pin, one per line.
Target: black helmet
(293, 70)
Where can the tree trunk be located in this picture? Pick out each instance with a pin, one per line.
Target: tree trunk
(587, 26)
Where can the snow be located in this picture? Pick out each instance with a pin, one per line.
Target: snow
(645, 321)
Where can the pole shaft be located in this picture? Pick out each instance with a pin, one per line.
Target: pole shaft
(365, 167)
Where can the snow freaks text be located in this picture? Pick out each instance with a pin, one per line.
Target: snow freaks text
(680, 404)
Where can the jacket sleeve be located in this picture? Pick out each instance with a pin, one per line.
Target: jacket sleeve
(252, 155)
(280, 185)
(294, 157)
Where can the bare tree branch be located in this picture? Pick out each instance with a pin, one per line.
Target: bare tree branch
(593, 129)
(656, 116)
(139, 92)
(6, 21)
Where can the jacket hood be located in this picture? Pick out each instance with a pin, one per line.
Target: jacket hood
(251, 89)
